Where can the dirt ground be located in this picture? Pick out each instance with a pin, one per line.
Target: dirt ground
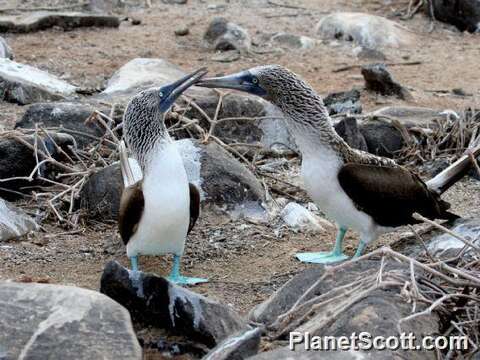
(245, 262)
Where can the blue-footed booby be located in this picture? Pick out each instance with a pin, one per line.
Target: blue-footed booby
(158, 210)
(367, 193)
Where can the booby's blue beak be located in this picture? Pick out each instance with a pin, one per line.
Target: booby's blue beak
(170, 93)
(243, 81)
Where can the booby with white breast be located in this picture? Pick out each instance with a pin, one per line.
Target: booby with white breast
(367, 193)
(159, 210)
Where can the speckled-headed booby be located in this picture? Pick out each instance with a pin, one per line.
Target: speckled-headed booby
(369, 194)
(158, 211)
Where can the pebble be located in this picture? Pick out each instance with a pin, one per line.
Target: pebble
(182, 31)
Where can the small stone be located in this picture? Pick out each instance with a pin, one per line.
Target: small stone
(14, 222)
(182, 31)
(227, 56)
(378, 79)
(224, 35)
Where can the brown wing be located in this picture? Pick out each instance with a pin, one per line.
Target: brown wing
(131, 210)
(194, 206)
(390, 195)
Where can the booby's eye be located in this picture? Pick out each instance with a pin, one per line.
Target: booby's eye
(160, 94)
(254, 80)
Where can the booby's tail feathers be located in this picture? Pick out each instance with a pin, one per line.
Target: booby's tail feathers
(445, 179)
(127, 173)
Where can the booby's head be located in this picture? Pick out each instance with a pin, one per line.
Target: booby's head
(271, 82)
(143, 121)
(303, 108)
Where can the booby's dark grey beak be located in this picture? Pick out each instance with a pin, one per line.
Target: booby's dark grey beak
(243, 81)
(170, 93)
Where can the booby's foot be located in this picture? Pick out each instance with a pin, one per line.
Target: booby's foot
(134, 262)
(179, 279)
(185, 280)
(321, 257)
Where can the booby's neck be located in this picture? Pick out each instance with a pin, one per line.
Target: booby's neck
(312, 128)
(146, 138)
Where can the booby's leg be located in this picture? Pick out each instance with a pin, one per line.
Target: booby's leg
(177, 278)
(333, 256)
(360, 248)
(134, 262)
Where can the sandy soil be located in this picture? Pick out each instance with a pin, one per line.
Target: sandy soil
(245, 262)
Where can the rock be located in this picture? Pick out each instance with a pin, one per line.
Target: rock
(154, 301)
(143, 73)
(100, 196)
(227, 56)
(14, 222)
(69, 116)
(23, 84)
(469, 229)
(5, 50)
(411, 115)
(41, 20)
(345, 102)
(293, 41)
(349, 130)
(175, 2)
(62, 322)
(105, 6)
(300, 219)
(222, 180)
(18, 160)
(376, 311)
(379, 80)
(285, 353)
(223, 35)
(364, 53)
(367, 30)
(237, 347)
(464, 14)
(382, 138)
(182, 31)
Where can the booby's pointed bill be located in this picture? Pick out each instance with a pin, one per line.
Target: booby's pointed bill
(170, 93)
(243, 81)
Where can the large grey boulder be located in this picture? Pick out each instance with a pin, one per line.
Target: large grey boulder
(41, 20)
(14, 222)
(464, 14)
(101, 194)
(40, 321)
(24, 84)
(377, 310)
(18, 160)
(224, 35)
(381, 137)
(468, 229)
(411, 115)
(143, 73)
(67, 115)
(154, 301)
(367, 30)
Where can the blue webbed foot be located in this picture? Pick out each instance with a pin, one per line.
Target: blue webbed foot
(185, 280)
(179, 279)
(336, 255)
(321, 257)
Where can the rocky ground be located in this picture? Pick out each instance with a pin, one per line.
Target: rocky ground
(245, 259)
